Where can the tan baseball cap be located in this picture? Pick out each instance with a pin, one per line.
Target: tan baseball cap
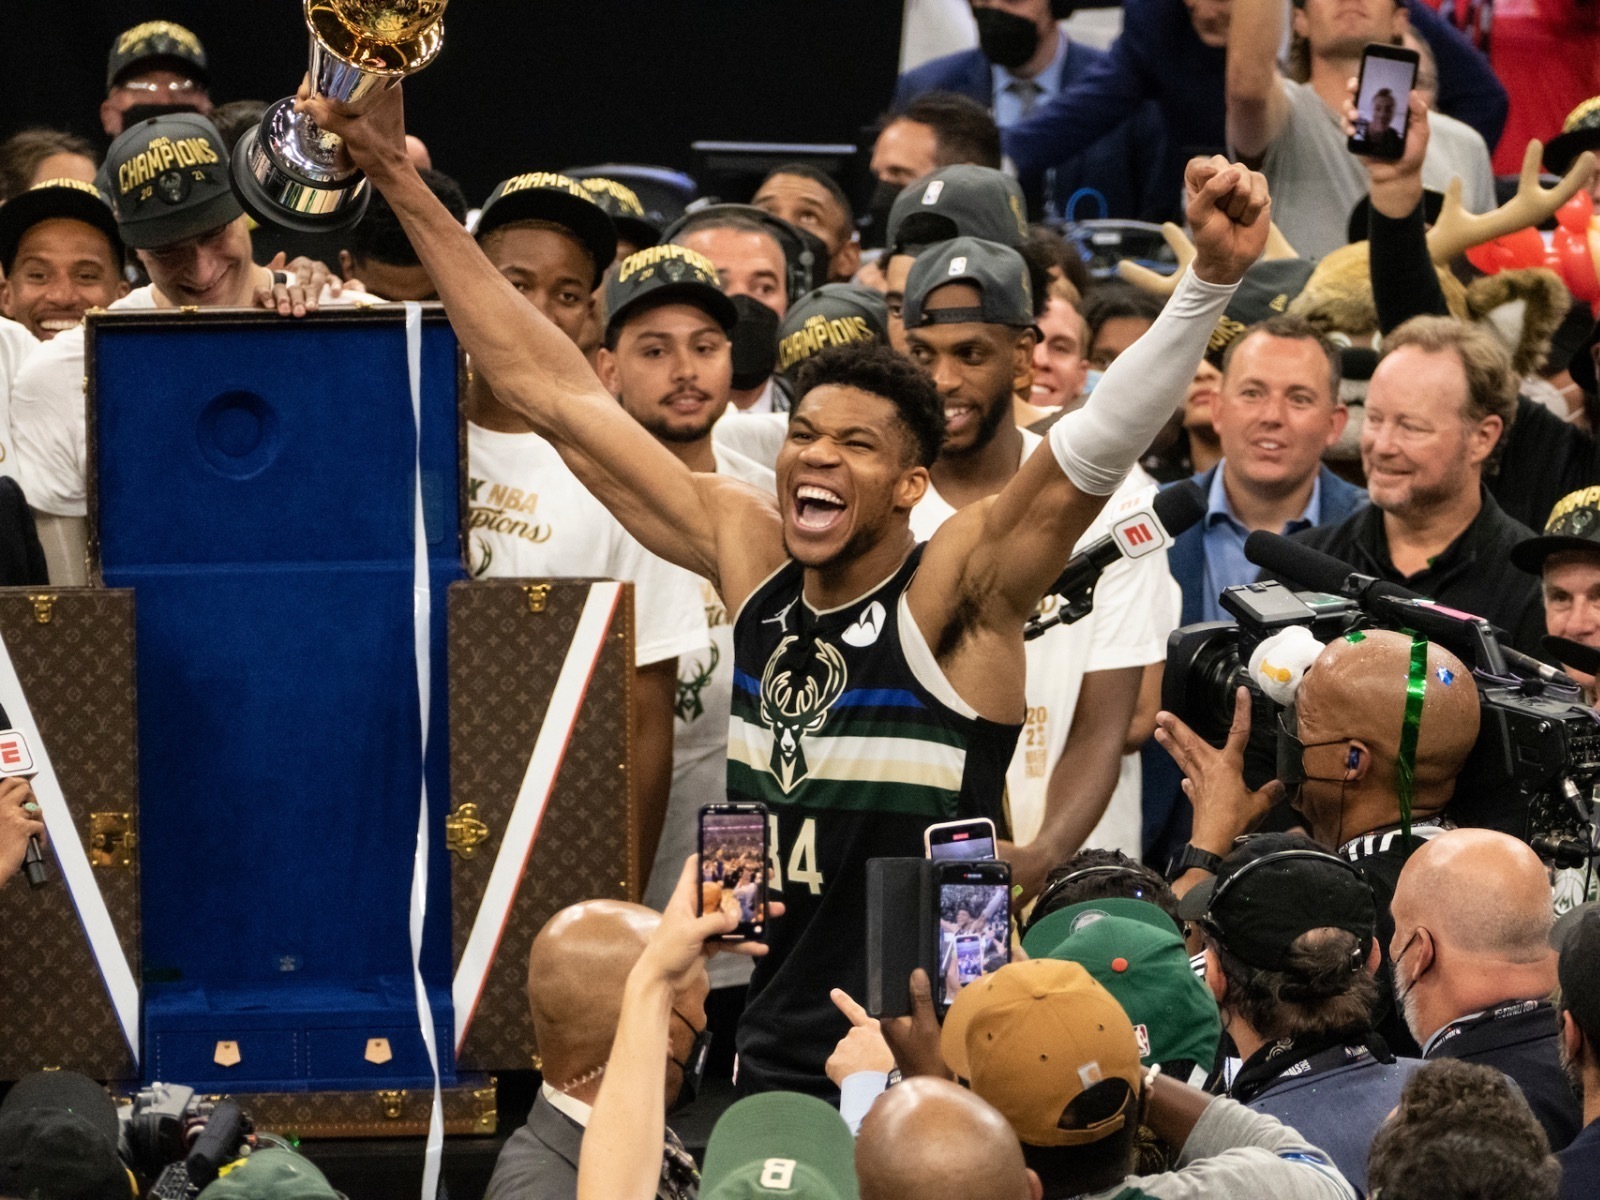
(1032, 1038)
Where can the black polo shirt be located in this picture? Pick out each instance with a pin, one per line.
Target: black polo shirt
(1520, 1039)
(1473, 574)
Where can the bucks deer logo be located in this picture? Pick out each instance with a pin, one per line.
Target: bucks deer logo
(689, 706)
(795, 700)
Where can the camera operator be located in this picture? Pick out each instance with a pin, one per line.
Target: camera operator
(1290, 956)
(1351, 711)
(20, 820)
(1474, 969)
(1567, 560)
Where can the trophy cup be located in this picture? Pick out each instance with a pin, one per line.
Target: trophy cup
(285, 170)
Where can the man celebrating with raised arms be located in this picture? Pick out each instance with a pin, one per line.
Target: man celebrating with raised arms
(879, 683)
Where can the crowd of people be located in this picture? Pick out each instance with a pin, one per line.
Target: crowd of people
(844, 447)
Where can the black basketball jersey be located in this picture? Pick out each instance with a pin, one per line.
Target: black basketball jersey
(844, 726)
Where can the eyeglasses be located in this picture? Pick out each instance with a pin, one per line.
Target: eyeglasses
(176, 87)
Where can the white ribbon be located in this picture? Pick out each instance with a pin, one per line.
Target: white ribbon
(549, 748)
(421, 620)
(75, 868)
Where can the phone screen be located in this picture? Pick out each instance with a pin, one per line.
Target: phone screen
(733, 866)
(974, 926)
(1383, 99)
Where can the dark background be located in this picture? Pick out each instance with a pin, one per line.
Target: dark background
(521, 85)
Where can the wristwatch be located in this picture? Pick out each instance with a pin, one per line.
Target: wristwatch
(1190, 857)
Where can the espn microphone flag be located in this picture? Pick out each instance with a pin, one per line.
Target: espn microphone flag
(15, 757)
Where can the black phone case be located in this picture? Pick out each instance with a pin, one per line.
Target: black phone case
(901, 901)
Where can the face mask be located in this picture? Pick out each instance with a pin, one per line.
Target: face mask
(142, 112)
(755, 343)
(1006, 39)
(1092, 378)
(692, 1068)
(883, 197)
(1291, 765)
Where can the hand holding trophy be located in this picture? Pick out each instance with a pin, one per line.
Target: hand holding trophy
(286, 170)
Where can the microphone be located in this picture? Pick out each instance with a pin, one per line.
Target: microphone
(1142, 531)
(16, 759)
(1574, 654)
(1450, 627)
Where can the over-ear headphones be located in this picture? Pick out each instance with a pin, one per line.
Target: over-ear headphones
(805, 255)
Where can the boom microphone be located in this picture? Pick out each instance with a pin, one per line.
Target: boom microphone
(1142, 531)
(1458, 631)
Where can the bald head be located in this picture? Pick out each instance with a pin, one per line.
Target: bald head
(1479, 892)
(929, 1139)
(576, 971)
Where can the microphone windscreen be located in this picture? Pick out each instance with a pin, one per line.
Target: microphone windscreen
(1180, 507)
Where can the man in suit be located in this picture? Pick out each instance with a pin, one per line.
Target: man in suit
(1275, 413)
(1022, 60)
(576, 971)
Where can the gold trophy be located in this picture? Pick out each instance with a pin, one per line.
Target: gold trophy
(286, 169)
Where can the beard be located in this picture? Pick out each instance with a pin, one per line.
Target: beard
(1572, 1070)
(989, 424)
(664, 428)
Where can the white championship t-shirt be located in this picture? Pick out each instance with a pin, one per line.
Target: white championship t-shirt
(1135, 607)
(48, 417)
(530, 518)
(700, 740)
(16, 345)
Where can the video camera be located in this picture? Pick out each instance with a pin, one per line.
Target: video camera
(1536, 764)
(179, 1139)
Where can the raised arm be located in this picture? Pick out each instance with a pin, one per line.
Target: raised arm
(534, 368)
(1257, 107)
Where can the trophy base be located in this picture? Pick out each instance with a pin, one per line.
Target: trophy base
(275, 193)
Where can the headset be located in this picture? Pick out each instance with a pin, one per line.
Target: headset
(804, 253)
(1142, 889)
(1322, 856)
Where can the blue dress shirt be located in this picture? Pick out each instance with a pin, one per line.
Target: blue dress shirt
(1224, 534)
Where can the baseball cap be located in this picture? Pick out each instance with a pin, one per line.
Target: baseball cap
(271, 1174)
(1576, 937)
(836, 314)
(958, 201)
(1267, 290)
(1286, 886)
(626, 210)
(780, 1144)
(168, 180)
(1145, 966)
(998, 272)
(1579, 132)
(661, 275)
(547, 196)
(58, 1140)
(149, 41)
(1035, 1036)
(70, 198)
(1574, 524)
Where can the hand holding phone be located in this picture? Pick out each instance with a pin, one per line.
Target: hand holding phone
(733, 867)
(1383, 102)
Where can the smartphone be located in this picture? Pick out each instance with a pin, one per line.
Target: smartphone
(959, 841)
(733, 866)
(1383, 101)
(974, 915)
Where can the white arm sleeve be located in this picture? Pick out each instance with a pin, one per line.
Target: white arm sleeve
(1097, 444)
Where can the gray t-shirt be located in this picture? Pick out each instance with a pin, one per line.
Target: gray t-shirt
(1315, 181)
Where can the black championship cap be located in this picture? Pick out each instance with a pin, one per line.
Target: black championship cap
(623, 206)
(1276, 887)
(959, 201)
(58, 1138)
(168, 180)
(1574, 524)
(1576, 937)
(998, 272)
(836, 314)
(1267, 290)
(547, 196)
(69, 198)
(157, 44)
(1579, 132)
(665, 275)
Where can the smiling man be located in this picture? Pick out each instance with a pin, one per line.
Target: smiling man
(1566, 557)
(60, 255)
(878, 682)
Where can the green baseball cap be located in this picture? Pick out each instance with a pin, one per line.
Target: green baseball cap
(958, 201)
(998, 272)
(1055, 928)
(780, 1144)
(271, 1174)
(1145, 965)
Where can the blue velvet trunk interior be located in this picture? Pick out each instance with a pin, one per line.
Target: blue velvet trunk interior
(253, 483)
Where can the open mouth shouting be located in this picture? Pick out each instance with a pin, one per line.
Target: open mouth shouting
(817, 509)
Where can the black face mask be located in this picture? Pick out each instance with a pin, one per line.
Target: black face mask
(755, 343)
(883, 197)
(1291, 755)
(692, 1068)
(1006, 39)
(143, 112)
